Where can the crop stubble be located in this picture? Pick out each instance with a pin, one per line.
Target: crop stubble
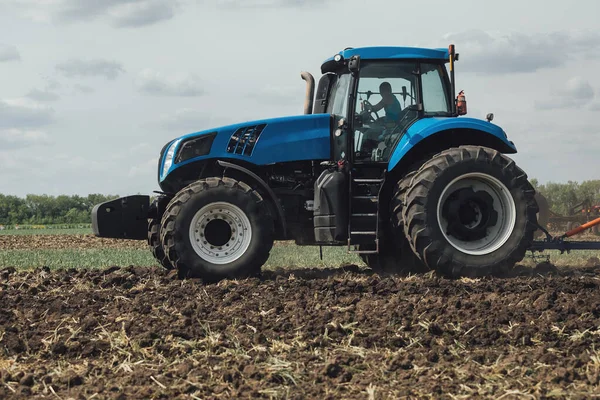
(311, 333)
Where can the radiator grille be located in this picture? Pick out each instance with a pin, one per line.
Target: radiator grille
(244, 139)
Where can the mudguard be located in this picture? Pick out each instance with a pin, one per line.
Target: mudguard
(426, 127)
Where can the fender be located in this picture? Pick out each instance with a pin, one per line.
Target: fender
(427, 127)
(264, 185)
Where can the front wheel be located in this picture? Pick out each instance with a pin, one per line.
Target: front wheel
(155, 245)
(470, 211)
(217, 228)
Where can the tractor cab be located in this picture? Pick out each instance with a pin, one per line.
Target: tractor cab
(375, 94)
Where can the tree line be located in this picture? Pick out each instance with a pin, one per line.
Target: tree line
(47, 210)
(563, 197)
(64, 209)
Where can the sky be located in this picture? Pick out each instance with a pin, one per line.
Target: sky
(91, 90)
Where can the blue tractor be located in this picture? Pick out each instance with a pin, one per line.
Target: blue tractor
(382, 161)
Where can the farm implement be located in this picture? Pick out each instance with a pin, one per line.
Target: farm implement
(559, 243)
(383, 161)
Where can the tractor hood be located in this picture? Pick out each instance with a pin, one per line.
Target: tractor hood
(260, 142)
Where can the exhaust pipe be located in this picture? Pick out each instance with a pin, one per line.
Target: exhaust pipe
(310, 91)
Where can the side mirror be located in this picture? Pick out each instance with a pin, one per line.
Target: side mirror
(354, 64)
(404, 93)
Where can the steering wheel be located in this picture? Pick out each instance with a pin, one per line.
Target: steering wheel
(368, 107)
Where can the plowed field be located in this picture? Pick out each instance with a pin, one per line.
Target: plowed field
(137, 332)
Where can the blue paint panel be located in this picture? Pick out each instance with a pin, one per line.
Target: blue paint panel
(430, 126)
(377, 53)
(295, 138)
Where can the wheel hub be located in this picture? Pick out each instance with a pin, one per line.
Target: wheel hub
(220, 233)
(476, 213)
(469, 214)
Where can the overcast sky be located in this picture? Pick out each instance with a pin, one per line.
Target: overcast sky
(91, 90)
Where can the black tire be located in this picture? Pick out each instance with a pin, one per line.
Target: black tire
(395, 254)
(155, 245)
(182, 209)
(421, 213)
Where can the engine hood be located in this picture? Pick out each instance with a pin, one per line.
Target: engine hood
(260, 142)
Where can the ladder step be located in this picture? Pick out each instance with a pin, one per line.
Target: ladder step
(363, 251)
(365, 197)
(372, 233)
(367, 180)
(376, 251)
(365, 215)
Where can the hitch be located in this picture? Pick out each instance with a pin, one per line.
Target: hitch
(559, 243)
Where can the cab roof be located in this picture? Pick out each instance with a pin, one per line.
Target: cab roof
(390, 53)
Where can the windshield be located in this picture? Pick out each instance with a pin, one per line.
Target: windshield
(387, 99)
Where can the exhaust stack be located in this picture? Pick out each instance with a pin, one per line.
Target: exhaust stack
(310, 91)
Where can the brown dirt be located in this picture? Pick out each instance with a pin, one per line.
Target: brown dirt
(35, 242)
(140, 333)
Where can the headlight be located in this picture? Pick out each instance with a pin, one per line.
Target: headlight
(169, 157)
(196, 147)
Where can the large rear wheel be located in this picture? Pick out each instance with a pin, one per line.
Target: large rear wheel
(395, 254)
(470, 211)
(217, 228)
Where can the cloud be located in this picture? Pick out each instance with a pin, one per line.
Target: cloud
(143, 13)
(183, 121)
(9, 53)
(118, 13)
(86, 68)
(577, 93)
(83, 88)
(144, 169)
(269, 3)
(42, 95)
(155, 83)
(24, 113)
(274, 94)
(490, 54)
(11, 139)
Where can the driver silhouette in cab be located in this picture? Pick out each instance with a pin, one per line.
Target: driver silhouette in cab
(389, 103)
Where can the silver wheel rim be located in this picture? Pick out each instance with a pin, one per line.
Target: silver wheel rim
(496, 235)
(220, 233)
